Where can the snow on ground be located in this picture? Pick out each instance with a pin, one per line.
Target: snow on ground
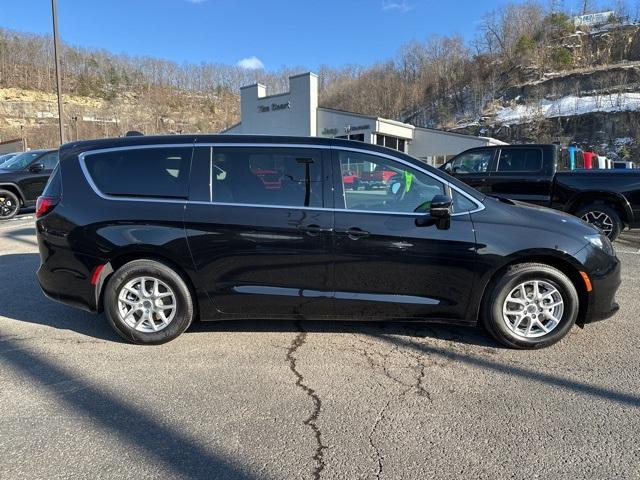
(569, 106)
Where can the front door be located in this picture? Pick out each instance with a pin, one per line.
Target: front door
(258, 233)
(473, 168)
(34, 181)
(385, 265)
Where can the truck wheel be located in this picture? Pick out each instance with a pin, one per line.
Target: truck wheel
(603, 217)
(9, 205)
(531, 305)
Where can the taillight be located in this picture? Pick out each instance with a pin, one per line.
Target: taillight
(45, 204)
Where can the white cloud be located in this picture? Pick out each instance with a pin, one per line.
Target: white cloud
(396, 6)
(250, 63)
(195, 2)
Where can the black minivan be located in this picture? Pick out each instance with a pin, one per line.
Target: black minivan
(159, 231)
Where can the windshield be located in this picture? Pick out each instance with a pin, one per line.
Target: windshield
(20, 161)
(6, 157)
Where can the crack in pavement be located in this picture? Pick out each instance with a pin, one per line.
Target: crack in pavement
(418, 386)
(311, 421)
(372, 433)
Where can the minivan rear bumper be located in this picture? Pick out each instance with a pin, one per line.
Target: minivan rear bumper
(65, 276)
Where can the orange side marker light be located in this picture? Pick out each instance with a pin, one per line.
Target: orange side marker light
(587, 282)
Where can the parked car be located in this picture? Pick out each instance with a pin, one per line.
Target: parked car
(6, 157)
(22, 179)
(159, 231)
(608, 199)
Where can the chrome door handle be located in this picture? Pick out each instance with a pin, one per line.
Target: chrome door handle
(355, 233)
(314, 230)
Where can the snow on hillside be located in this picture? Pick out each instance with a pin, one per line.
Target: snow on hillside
(568, 106)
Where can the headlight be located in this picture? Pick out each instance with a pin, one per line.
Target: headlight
(602, 242)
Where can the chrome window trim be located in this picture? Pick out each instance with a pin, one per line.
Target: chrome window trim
(94, 187)
(210, 174)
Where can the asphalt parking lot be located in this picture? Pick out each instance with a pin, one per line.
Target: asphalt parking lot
(332, 400)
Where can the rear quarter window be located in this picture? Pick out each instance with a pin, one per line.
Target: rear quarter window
(142, 172)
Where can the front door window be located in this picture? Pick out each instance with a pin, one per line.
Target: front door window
(373, 183)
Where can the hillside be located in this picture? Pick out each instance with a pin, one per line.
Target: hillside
(529, 75)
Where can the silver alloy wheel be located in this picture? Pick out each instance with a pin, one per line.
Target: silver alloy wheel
(146, 304)
(600, 220)
(533, 308)
(7, 207)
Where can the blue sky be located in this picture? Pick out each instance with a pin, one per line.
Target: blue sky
(271, 33)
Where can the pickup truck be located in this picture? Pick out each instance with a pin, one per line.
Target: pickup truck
(538, 174)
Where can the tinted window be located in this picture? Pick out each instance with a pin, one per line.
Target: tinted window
(267, 176)
(50, 160)
(472, 162)
(377, 184)
(461, 203)
(54, 185)
(520, 160)
(145, 172)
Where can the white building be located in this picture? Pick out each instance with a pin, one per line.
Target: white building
(296, 113)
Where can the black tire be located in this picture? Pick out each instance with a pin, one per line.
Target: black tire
(594, 211)
(492, 315)
(184, 310)
(9, 204)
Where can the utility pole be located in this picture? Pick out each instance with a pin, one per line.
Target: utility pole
(56, 54)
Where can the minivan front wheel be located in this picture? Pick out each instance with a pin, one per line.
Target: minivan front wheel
(531, 306)
(147, 302)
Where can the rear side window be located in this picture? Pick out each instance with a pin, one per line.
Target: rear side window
(520, 160)
(142, 172)
(267, 176)
(54, 185)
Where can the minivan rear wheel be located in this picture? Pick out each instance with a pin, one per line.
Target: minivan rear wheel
(531, 305)
(147, 302)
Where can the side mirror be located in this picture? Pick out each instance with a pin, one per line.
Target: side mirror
(441, 206)
(36, 167)
(439, 213)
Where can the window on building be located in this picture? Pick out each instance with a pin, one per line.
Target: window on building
(391, 142)
(143, 172)
(359, 137)
(267, 176)
(372, 183)
(520, 160)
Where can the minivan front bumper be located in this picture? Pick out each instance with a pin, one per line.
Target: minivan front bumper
(604, 272)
